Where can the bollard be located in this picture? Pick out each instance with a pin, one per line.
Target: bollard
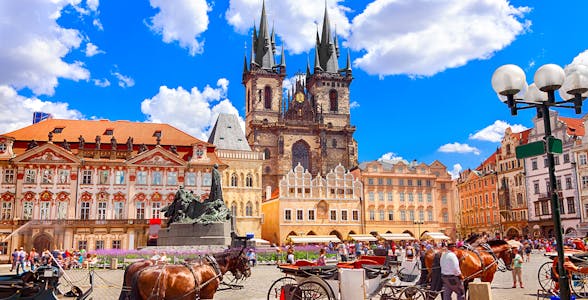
(479, 291)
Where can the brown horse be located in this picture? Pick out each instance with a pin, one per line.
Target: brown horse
(130, 271)
(198, 279)
(481, 263)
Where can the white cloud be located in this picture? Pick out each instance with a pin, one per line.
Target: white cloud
(457, 168)
(32, 50)
(353, 104)
(21, 109)
(98, 24)
(297, 28)
(101, 82)
(423, 37)
(392, 158)
(458, 148)
(93, 4)
(193, 111)
(581, 59)
(182, 21)
(124, 81)
(495, 132)
(92, 50)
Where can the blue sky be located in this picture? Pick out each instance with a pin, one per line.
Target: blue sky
(421, 68)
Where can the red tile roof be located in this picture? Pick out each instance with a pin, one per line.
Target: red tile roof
(575, 126)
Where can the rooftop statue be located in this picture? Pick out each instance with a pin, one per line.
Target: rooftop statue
(187, 209)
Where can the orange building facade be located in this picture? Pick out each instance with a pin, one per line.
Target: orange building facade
(72, 184)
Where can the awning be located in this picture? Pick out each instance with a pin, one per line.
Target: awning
(363, 237)
(260, 242)
(312, 239)
(397, 236)
(435, 236)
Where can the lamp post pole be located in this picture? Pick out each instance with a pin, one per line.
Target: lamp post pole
(509, 81)
(418, 223)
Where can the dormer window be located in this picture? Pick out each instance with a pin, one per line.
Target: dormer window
(109, 132)
(157, 133)
(57, 129)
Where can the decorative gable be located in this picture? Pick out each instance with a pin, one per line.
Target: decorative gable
(157, 157)
(47, 154)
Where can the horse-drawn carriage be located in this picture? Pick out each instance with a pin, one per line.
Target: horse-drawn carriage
(40, 284)
(548, 275)
(368, 277)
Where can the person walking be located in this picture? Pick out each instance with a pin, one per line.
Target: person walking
(33, 259)
(451, 274)
(20, 264)
(322, 260)
(343, 251)
(517, 271)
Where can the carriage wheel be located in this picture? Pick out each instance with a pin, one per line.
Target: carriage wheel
(545, 277)
(387, 292)
(312, 290)
(579, 284)
(412, 293)
(275, 289)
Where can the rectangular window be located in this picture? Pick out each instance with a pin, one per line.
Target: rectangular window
(85, 211)
(311, 215)
(371, 196)
(390, 196)
(556, 159)
(4, 248)
(333, 215)
(156, 178)
(444, 200)
(584, 182)
(582, 159)
(421, 215)
(30, 176)
(566, 158)
(27, 210)
(409, 182)
(389, 181)
(119, 208)
(116, 244)
(102, 210)
(87, 177)
(429, 197)
(288, 215)
(372, 215)
(402, 215)
(390, 215)
(420, 197)
(568, 183)
(411, 215)
(172, 178)
(190, 179)
(401, 182)
(382, 214)
(206, 179)
(9, 176)
(63, 176)
(47, 177)
(419, 182)
(103, 176)
(142, 177)
(99, 244)
(355, 215)
(62, 210)
(430, 215)
(445, 217)
(537, 209)
(381, 196)
(6, 213)
(155, 209)
(343, 215)
(45, 210)
(410, 197)
(545, 208)
(380, 181)
(401, 195)
(534, 164)
(370, 181)
(299, 215)
(536, 187)
(83, 245)
(571, 205)
(140, 209)
(119, 177)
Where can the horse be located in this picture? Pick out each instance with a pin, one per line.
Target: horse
(197, 279)
(130, 271)
(481, 262)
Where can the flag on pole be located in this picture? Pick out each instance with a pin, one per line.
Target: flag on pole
(39, 116)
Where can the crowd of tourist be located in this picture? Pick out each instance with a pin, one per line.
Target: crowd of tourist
(22, 261)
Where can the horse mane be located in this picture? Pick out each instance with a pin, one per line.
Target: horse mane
(495, 243)
(474, 237)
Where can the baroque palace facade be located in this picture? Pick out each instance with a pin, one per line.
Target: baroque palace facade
(98, 193)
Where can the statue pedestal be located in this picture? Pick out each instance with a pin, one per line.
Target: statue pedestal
(178, 234)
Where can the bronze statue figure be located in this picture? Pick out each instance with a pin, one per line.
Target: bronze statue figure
(81, 141)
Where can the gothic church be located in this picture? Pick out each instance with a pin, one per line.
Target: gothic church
(310, 125)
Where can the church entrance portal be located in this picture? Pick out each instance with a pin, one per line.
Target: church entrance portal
(42, 241)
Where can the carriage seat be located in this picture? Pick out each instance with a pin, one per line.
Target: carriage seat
(304, 263)
(409, 270)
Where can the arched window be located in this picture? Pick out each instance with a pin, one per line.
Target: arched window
(301, 154)
(249, 180)
(267, 97)
(334, 142)
(333, 100)
(234, 209)
(233, 179)
(268, 170)
(249, 209)
(267, 153)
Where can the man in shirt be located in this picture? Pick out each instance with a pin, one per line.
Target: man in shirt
(451, 274)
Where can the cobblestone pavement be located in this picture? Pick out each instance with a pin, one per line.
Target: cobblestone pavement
(108, 282)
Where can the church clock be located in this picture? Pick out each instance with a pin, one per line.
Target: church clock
(299, 97)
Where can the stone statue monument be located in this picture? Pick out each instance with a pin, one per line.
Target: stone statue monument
(192, 222)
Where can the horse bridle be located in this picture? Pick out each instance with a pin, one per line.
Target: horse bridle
(488, 249)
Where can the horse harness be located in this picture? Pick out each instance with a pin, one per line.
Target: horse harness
(218, 274)
(484, 268)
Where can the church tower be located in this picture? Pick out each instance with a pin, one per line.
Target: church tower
(308, 125)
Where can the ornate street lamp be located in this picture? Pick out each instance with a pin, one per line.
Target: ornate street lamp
(418, 223)
(509, 81)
